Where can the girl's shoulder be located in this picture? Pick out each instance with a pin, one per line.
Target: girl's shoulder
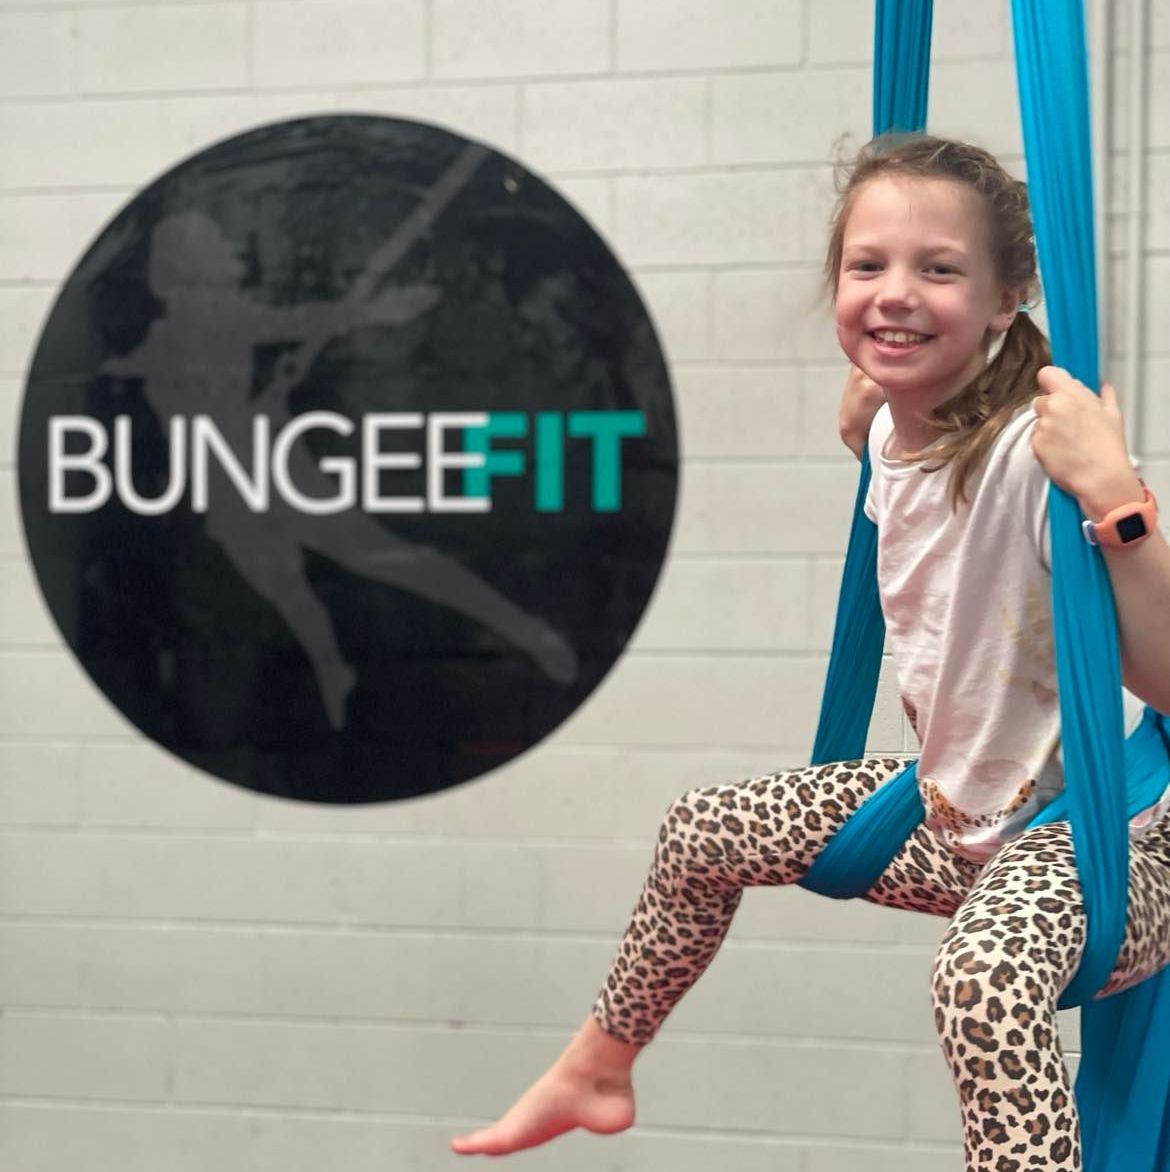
(1019, 482)
(879, 432)
(1010, 457)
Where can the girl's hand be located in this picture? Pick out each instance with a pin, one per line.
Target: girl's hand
(860, 401)
(1079, 440)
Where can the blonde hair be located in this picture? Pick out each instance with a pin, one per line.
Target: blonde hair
(970, 420)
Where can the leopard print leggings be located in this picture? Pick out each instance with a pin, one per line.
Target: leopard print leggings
(1014, 942)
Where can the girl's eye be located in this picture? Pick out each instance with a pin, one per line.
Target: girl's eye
(865, 266)
(947, 270)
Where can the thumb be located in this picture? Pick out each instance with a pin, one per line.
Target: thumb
(1109, 399)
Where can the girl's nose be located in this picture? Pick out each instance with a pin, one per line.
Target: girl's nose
(895, 290)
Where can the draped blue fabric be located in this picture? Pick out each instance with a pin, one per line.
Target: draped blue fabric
(1123, 1085)
(853, 678)
(1054, 105)
(901, 75)
(853, 859)
(901, 64)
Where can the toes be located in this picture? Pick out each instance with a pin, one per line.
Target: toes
(466, 1143)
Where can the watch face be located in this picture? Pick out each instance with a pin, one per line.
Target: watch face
(1131, 528)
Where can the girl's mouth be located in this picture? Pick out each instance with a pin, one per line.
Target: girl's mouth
(898, 341)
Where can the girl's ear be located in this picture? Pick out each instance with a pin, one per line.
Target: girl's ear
(1009, 305)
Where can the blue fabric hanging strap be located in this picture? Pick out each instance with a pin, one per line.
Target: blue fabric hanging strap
(858, 636)
(901, 64)
(1124, 1075)
(1123, 1083)
(1054, 106)
(862, 849)
(901, 76)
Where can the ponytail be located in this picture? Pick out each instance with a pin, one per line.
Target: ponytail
(970, 421)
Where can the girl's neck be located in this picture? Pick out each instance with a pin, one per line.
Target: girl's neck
(912, 431)
(911, 409)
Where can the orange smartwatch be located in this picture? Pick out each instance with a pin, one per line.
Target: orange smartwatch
(1126, 526)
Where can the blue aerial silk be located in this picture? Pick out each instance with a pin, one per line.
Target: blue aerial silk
(901, 64)
(1123, 1085)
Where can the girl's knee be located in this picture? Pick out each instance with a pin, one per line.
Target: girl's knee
(984, 988)
(681, 834)
(959, 978)
(716, 815)
(706, 822)
(685, 817)
(720, 836)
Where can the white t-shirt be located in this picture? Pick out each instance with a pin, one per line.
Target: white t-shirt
(967, 603)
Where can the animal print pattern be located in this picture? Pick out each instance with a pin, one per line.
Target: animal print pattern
(948, 817)
(1014, 942)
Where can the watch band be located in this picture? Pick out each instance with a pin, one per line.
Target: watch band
(1126, 526)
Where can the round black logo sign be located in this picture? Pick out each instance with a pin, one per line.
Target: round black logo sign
(348, 459)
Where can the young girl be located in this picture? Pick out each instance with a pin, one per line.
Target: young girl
(930, 264)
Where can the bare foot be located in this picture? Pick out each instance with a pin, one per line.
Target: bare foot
(588, 1086)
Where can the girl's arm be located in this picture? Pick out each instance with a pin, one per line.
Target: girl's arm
(1080, 441)
(860, 402)
(1141, 588)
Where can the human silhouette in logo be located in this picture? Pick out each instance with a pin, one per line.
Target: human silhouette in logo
(198, 357)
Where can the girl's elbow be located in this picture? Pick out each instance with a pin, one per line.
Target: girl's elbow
(853, 439)
(1155, 693)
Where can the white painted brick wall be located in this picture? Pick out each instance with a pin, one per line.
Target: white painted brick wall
(194, 977)
(193, 47)
(762, 118)
(337, 42)
(708, 34)
(772, 314)
(680, 304)
(519, 38)
(36, 54)
(637, 123)
(10, 392)
(719, 218)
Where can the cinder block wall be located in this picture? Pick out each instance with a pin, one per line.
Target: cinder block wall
(194, 978)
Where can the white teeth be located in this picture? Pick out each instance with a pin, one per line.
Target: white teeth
(898, 336)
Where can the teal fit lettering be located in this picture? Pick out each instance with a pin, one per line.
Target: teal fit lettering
(605, 430)
(550, 462)
(477, 482)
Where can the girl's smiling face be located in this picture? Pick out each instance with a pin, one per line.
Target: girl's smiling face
(917, 292)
